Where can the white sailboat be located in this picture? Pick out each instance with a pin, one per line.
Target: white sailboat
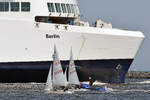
(59, 79)
(73, 77)
(56, 77)
(49, 82)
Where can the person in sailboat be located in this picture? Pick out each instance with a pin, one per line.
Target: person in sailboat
(91, 80)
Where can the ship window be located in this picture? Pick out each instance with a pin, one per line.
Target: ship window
(25, 6)
(72, 9)
(58, 8)
(51, 7)
(63, 6)
(68, 8)
(4, 6)
(14, 6)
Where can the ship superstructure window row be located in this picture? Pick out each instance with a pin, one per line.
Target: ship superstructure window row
(14, 6)
(61, 7)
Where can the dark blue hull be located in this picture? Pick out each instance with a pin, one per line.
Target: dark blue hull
(109, 71)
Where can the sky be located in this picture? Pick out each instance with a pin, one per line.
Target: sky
(124, 14)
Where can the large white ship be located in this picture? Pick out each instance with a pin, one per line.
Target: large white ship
(30, 28)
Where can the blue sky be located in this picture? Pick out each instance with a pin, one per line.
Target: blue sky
(124, 14)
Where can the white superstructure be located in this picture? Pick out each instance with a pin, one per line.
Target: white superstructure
(30, 28)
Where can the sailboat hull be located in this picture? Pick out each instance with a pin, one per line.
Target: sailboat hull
(109, 71)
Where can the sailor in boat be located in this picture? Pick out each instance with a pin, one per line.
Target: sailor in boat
(90, 86)
(91, 80)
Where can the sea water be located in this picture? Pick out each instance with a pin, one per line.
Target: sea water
(133, 89)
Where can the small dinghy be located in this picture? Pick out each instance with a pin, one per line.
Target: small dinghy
(97, 88)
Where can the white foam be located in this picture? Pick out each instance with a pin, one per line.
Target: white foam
(107, 89)
(81, 90)
(59, 92)
(143, 82)
(136, 90)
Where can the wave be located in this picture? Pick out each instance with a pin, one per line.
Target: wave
(136, 90)
(108, 89)
(145, 82)
(142, 82)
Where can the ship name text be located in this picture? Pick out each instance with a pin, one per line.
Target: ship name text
(52, 36)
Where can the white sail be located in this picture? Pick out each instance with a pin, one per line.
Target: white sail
(73, 77)
(59, 79)
(49, 82)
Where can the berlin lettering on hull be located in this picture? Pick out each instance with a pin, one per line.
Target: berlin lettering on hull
(52, 36)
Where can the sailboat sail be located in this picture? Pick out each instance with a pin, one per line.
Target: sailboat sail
(49, 80)
(59, 79)
(73, 78)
